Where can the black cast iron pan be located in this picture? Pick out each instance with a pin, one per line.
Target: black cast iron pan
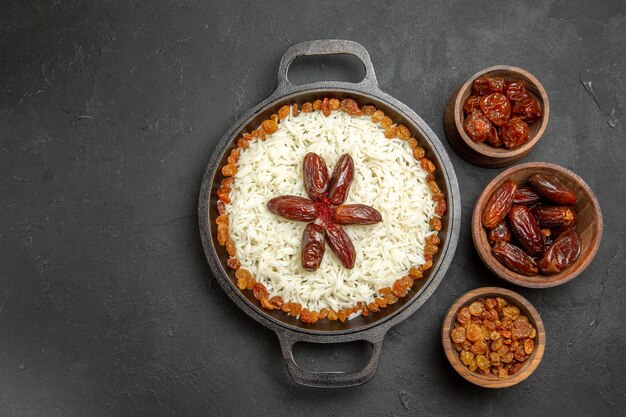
(374, 327)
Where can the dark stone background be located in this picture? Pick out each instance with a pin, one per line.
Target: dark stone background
(108, 115)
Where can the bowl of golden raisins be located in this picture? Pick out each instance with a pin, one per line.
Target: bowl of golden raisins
(493, 337)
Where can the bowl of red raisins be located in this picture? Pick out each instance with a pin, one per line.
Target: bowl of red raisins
(493, 337)
(537, 225)
(497, 116)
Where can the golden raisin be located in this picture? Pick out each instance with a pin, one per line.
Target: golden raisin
(325, 107)
(317, 104)
(391, 299)
(229, 170)
(351, 107)
(433, 239)
(435, 223)
(369, 110)
(373, 307)
(415, 273)
(427, 165)
(243, 143)
(294, 110)
(223, 194)
(497, 344)
(259, 291)
(418, 152)
(295, 310)
(529, 346)
(399, 288)
(307, 107)
(269, 126)
(472, 366)
(342, 315)
(412, 143)
(458, 335)
(381, 302)
(274, 117)
(511, 311)
(457, 347)
(501, 303)
(386, 122)
(234, 156)
(403, 132)
(433, 187)
(430, 250)
(377, 116)
(463, 316)
(426, 266)
(466, 357)
(233, 263)
(323, 313)
(494, 358)
(332, 315)
(284, 111)
(391, 132)
(491, 303)
(476, 308)
(243, 274)
(482, 362)
(473, 332)
(230, 248)
(479, 347)
(277, 301)
(334, 104)
(266, 304)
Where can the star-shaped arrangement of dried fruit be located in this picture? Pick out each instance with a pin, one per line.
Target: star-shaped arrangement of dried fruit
(325, 211)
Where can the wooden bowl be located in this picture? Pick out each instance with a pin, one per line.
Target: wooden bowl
(482, 154)
(588, 216)
(492, 381)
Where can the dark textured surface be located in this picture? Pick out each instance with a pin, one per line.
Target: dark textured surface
(108, 116)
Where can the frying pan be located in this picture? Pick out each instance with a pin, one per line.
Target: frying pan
(374, 327)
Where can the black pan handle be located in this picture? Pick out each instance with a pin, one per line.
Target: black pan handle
(330, 379)
(325, 47)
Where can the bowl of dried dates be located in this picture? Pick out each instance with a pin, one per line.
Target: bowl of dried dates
(537, 225)
(497, 116)
(493, 337)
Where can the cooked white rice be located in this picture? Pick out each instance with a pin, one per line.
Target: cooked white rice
(387, 177)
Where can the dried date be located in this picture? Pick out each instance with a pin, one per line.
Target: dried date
(554, 216)
(526, 230)
(562, 253)
(514, 258)
(356, 214)
(499, 204)
(340, 180)
(341, 245)
(313, 247)
(315, 174)
(501, 232)
(553, 189)
(526, 196)
(293, 208)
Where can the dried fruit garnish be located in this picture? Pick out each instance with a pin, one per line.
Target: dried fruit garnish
(324, 209)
